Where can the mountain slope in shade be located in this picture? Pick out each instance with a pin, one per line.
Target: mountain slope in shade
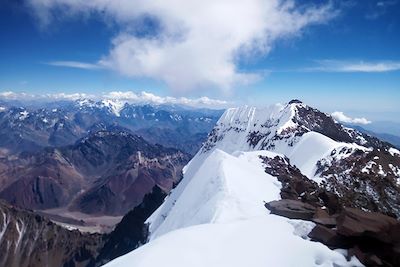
(216, 215)
(106, 173)
(132, 231)
(27, 240)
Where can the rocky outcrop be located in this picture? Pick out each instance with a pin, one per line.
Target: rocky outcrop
(291, 209)
(337, 206)
(368, 180)
(296, 186)
(364, 180)
(29, 240)
(374, 238)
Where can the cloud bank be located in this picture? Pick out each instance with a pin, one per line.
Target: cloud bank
(341, 117)
(145, 97)
(124, 96)
(192, 43)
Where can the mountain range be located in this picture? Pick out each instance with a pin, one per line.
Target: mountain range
(285, 185)
(86, 163)
(30, 128)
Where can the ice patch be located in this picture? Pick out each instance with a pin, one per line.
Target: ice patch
(114, 106)
(394, 151)
(23, 115)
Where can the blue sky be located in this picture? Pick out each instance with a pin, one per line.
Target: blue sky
(336, 55)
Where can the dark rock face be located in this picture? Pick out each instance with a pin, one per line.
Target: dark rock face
(131, 232)
(349, 182)
(291, 209)
(358, 223)
(29, 240)
(296, 186)
(364, 179)
(328, 237)
(106, 173)
(295, 101)
(317, 121)
(373, 237)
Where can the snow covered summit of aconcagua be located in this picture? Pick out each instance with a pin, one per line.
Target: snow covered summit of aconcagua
(276, 127)
(216, 215)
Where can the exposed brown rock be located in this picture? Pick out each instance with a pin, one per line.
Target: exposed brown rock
(328, 237)
(292, 209)
(322, 217)
(366, 258)
(355, 223)
(374, 238)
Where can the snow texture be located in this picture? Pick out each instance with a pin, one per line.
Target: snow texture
(216, 215)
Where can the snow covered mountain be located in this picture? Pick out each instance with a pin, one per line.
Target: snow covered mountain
(362, 170)
(30, 128)
(216, 215)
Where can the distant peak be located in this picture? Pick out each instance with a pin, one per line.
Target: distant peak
(295, 101)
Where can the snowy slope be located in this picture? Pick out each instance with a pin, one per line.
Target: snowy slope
(225, 188)
(276, 128)
(216, 217)
(264, 241)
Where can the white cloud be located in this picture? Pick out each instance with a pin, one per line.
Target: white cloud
(341, 117)
(198, 42)
(124, 96)
(354, 66)
(74, 64)
(13, 95)
(65, 96)
(145, 97)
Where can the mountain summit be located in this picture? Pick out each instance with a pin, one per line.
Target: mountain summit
(216, 215)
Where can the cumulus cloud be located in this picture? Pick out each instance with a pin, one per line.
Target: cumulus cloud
(124, 96)
(354, 66)
(341, 117)
(195, 43)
